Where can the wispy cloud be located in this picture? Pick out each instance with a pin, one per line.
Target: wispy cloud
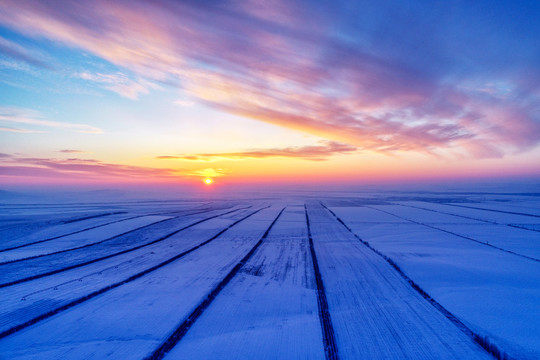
(320, 152)
(185, 103)
(208, 172)
(71, 151)
(331, 72)
(11, 165)
(119, 83)
(31, 117)
(22, 131)
(18, 52)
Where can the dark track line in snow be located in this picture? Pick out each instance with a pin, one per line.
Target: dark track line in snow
(493, 210)
(84, 246)
(183, 328)
(468, 217)
(38, 276)
(455, 234)
(90, 228)
(72, 233)
(92, 217)
(92, 295)
(329, 338)
(482, 341)
(97, 242)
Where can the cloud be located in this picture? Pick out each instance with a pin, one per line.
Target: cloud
(33, 118)
(320, 152)
(339, 71)
(208, 172)
(185, 103)
(18, 52)
(11, 165)
(22, 131)
(119, 83)
(71, 151)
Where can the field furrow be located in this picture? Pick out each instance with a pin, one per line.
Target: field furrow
(39, 297)
(375, 313)
(15, 273)
(470, 280)
(269, 310)
(136, 317)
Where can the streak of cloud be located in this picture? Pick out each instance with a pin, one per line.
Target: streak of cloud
(72, 151)
(18, 52)
(119, 83)
(11, 165)
(21, 131)
(207, 172)
(339, 71)
(30, 117)
(320, 152)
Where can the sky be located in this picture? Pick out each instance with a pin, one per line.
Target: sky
(268, 92)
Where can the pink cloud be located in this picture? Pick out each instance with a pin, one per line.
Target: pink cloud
(249, 59)
(11, 165)
(320, 152)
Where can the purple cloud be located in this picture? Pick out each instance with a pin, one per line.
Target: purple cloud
(11, 165)
(332, 71)
(320, 152)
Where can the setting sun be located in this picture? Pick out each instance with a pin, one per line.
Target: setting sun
(208, 181)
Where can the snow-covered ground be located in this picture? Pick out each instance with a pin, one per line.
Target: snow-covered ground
(378, 276)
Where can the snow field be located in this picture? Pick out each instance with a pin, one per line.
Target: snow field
(84, 238)
(517, 240)
(372, 304)
(269, 310)
(495, 293)
(19, 271)
(135, 317)
(36, 297)
(124, 297)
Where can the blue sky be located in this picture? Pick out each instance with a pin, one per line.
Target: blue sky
(339, 91)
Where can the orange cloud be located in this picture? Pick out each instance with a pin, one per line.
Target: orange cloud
(246, 60)
(320, 152)
(11, 165)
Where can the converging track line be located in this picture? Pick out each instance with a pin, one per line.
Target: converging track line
(92, 295)
(38, 276)
(491, 348)
(493, 210)
(455, 234)
(183, 328)
(89, 228)
(468, 217)
(86, 245)
(329, 338)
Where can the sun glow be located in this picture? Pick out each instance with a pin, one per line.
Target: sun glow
(208, 181)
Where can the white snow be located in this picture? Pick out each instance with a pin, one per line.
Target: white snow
(269, 309)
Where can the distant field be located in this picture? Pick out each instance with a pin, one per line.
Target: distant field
(358, 276)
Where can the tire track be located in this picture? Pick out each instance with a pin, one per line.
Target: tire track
(91, 217)
(329, 338)
(493, 210)
(468, 217)
(482, 341)
(105, 289)
(455, 234)
(183, 328)
(91, 228)
(86, 245)
(38, 276)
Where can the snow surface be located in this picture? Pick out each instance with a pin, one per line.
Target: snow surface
(494, 292)
(115, 280)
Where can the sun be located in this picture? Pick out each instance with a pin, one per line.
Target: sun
(208, 181)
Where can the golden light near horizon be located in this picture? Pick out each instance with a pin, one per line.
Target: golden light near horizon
(208, 181)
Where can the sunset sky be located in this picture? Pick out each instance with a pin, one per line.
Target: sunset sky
(112, 92)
